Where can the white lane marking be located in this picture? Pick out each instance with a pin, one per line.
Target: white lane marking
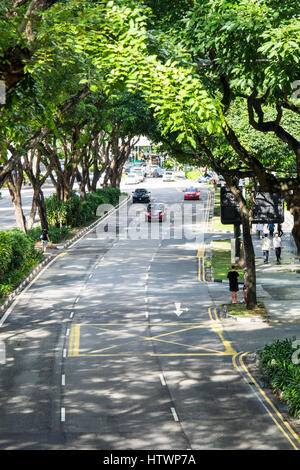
(174, 414)
(162, 379)
(72, 315)
(147, 315)
(146, 300)
(90, 276)
(76, 300)
(62, 414)
(68, 332)
(63, 380)
(149, 267)
(65, 353)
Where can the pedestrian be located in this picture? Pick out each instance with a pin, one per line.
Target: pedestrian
(45, 239)
(277, 245)
(271, 229)
(260, 230)
(279, 230)
(233, 277)
(266, 246)
(245, 284)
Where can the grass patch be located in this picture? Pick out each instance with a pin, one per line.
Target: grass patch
(221, 259)
(216, 221)
(240, 310)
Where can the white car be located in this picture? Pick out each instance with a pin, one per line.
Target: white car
(132, 178)
(139, 173)
(168, 176)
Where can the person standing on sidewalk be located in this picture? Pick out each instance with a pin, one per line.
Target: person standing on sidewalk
(233, 277)
(266, 246)
(277, 247)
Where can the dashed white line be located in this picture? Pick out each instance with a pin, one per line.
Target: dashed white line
(62, 414)
(76, 300)
(162, 379)
(63, 380)
(68, 332)
(64, 353)
(71, 314)
(173, 411)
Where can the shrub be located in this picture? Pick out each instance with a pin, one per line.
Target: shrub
(282, 372)
(192, 174)
(6, 252)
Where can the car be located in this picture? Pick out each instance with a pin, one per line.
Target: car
(141, 195)
(191, 193)
(131, 178)
(168, 176)
(139, 173)
(158, 172)
(204, 179)
(156, 211)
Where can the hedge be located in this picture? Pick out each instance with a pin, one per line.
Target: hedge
(279, 362)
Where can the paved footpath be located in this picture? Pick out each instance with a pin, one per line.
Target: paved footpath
(278, 286)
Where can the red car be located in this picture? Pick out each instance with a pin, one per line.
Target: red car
(192, 193)
(156, 211)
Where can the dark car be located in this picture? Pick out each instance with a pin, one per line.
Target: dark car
(156, 211)
(141, 195)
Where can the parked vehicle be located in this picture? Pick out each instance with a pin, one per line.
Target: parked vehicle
(141, 195)
(204, 179)
(156, 211)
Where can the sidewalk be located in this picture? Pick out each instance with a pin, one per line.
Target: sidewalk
(278, 286)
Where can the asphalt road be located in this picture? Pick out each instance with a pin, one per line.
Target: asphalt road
(116, 346)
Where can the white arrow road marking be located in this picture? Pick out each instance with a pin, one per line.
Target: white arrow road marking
(179, 311)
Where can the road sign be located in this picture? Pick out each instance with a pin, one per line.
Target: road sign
(268, 208)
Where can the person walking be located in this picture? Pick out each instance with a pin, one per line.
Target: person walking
(271, 229)
(279, 230)
(277, 245)
(233, 277)
(45, 239)
(260, 231)
(266, 246)
(245, 284)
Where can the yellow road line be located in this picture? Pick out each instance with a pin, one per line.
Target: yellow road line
(217, 328)
(275, 413)
(74, 342)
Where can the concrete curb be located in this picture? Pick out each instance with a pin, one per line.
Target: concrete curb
(25, 282)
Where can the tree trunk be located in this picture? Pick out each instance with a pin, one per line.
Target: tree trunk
(14, 183)
(294, 207)
(16, 199)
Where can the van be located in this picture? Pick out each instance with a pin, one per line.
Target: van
(168, 176)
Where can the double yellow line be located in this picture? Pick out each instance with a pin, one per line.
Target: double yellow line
(239, 365)
(281, 423)
(201, 251)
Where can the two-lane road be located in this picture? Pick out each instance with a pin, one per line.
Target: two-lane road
(117, 346)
